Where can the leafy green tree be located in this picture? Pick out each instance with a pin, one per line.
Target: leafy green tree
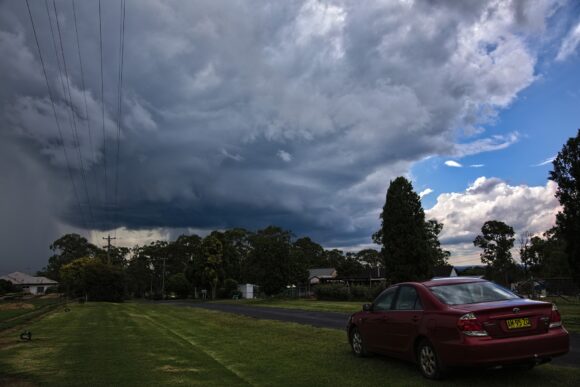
(178, 284)
(139, 276)
(350, 265)
(118, 256)
(370, 258)
(236, 249)
(93, 279)
(438, 256)
(269, 261)
(305, 254)
(566, 174)
(212, 251)
(406, 249)
(66, 249)
(546, 257)
(497, 240)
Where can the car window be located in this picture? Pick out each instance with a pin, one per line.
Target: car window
(471, 293)
(385, 300)
(408, 299)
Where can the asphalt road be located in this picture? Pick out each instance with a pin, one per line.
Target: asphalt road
(334, 321)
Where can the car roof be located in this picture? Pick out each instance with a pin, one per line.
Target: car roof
(451, 281)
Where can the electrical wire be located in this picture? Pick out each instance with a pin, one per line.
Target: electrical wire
(120, 108)
(56, 116)
(106, 199)
(75, 130)
(87, 117)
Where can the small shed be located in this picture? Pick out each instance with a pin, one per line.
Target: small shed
(248, 290)
(30, 284)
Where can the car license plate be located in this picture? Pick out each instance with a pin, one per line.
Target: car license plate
(518, 323)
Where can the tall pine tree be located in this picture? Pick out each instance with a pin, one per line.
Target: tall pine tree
(566, 174)
(407, 245)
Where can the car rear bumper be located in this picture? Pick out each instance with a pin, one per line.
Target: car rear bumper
(475, 351)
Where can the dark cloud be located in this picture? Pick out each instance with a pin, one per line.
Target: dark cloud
(248, 114)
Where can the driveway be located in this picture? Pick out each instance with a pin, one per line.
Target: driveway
(334, 321)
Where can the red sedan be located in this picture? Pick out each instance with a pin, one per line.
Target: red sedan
(451, 322)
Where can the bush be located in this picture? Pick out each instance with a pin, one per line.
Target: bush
(337, 292)
(340, 292)
(93, 279)
(6, 286)
(178, 284)
(229, 288)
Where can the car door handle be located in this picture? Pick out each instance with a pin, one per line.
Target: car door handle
(415, 318)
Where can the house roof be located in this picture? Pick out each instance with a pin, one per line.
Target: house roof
(366, 274)
(442, 271)
(18, 278)
(328, 272)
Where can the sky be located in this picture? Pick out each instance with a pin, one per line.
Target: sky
(297, 114)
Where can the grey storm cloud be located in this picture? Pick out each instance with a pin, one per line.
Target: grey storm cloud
(255, 113)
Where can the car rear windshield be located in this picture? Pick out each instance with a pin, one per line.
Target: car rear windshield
(471, 293)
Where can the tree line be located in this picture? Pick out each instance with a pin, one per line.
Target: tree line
(271, 257)
(274, 258)
(555, 253)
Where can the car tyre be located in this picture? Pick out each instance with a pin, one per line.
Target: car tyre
(429, 364)
(357, 343)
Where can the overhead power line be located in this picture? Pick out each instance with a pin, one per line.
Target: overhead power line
(106, 199)
(120, 108)
(56, 116)
(87, 117)
(74, 123)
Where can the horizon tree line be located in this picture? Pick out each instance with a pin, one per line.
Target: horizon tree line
(274, 258)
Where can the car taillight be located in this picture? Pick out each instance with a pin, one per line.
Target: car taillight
(555, 318)
(470, 325)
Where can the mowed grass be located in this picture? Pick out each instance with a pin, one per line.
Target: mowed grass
(570, 311)
(16, 312)
(304, 304)
(151, 345)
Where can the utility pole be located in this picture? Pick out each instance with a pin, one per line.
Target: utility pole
(108, 239)
(163, 279)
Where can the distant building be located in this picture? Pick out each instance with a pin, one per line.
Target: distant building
(248, 290)
(30, 284)
(444, 271)
(321, 275)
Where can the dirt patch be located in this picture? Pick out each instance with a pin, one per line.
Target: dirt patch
(50, 296)
(172, 369)
(16, 306)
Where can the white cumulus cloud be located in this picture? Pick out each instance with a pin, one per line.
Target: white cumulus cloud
(525, 208)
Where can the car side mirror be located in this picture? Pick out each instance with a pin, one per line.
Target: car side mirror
(367, 308)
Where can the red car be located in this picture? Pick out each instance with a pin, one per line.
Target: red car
(450, 322)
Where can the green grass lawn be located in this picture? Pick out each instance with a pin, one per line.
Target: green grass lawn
(570, 311)
(150, 345)
(14, 312)
(305, 304)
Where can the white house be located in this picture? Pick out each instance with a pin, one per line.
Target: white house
(30, 284)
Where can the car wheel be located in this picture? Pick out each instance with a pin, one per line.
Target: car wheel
(429, 364)
(357, 344)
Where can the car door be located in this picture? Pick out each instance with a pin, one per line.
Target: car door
(375, 325)
(404, 320)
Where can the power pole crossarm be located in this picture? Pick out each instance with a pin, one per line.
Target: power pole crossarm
(109, 239)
